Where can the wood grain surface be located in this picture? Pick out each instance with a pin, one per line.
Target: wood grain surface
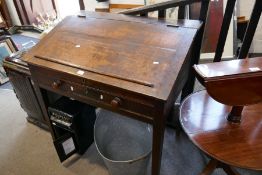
(233, 144)
(135, 55)
(130, 65)
(235, 83)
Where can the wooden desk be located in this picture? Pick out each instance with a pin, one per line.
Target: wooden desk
(130, 65)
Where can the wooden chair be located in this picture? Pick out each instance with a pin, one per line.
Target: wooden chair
(193, 57)
(195, 52)
(224, 121)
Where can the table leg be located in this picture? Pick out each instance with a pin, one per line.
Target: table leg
(158, 138)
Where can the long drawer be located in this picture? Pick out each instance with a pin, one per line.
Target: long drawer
(94, 94)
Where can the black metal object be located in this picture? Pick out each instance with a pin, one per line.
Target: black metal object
(73, 123)
(224, 30)
(252, 25)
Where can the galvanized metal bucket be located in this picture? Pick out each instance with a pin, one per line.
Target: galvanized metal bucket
(125, 144)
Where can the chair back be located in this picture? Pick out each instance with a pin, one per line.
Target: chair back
(251, 28)
(249, 34)
(162, 8)
(248, 93)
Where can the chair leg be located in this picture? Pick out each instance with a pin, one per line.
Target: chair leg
(229, 170)
(173, 119)
(211, 166)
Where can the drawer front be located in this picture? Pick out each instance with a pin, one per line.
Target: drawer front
(114, 101)
(75, 87)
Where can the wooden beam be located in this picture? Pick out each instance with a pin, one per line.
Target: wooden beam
(82, 4)
(159, 6)
(224, 30)
(124, 6)
(161, 13)
(251, 29)
(181, 12)
(27, 21)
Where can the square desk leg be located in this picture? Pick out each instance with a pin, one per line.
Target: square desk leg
(158, 132)
(158, 138)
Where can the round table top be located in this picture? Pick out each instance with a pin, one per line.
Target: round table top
(204, 121)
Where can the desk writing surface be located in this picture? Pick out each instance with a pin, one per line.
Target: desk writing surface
(119, 51)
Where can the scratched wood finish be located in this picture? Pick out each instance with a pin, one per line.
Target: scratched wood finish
(166, 21)
(212, 125)
(234, 144)
(131, 65)
(222, 81)
(90, 92)
(96, 46)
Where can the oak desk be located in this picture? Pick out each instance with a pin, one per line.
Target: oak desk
(130, 65)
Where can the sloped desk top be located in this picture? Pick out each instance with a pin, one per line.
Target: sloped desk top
(132, 53)
(130, 65)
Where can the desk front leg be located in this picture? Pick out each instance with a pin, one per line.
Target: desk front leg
(158, 138)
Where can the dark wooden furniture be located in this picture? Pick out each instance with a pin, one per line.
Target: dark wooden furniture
(5, 15)
(224, 121)
(5, 19)
(81, 4)
(29, 9)
(222, 79)
(189, 87)
(209, 124)
(213, 24)
(20, 77)
(195, 50)
(2, 23)
(133, 69)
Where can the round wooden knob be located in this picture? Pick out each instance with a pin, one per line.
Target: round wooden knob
(116, 102)
(56, 84)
